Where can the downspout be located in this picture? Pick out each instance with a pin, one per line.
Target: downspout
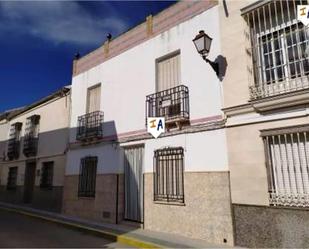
(117, 197)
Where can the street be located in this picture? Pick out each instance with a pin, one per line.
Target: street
(18, 230)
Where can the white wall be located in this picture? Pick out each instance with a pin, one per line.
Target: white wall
(3, 137)
(203, 151)
(109, 159)
(127, 78)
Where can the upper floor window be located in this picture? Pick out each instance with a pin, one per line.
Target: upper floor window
(169, 175)
(168, 71)
(277, 44)
(31, 135)
(93, 99)
(287, 154)
(14, 141)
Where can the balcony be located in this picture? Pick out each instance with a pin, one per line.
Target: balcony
(172, 104)
(90, 126)
(30, 145)
(13, 149)
(278, 88)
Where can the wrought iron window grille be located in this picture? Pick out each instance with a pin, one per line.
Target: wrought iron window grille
(90, 126)
(287, 160)
(169, 175)
(87, 177)
(14, 141)
(276, 49)
(31, 138)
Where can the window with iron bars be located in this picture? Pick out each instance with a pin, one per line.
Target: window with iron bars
(47, 173)
(14, 141)
(169, 175)
(90, 126)
(277, 44)
(31, 136)
(87, 177)
(287, 158)
(12, 178)
(172, 104)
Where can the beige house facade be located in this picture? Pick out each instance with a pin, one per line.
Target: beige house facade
(266, 97)
(34, 142)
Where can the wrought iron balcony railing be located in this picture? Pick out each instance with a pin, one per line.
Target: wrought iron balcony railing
(30, 145)
(90, 126)
(13, 149)
(172, 104)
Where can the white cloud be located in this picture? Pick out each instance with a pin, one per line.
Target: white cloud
(59, 22)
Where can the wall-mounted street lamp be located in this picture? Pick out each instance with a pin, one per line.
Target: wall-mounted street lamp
(202, 44)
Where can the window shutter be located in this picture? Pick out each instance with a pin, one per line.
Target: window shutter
(94, 99)
(168, 73)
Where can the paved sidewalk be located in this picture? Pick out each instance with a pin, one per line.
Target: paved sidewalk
(124, 234)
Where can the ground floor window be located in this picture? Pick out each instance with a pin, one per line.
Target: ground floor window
(287, 153)
(169, 175)
(12, 178)
(47, 172)
(87, 177)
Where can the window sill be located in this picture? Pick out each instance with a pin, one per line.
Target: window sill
(169, 203)
(90, 198)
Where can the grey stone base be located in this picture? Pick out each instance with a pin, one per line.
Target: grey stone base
(260, 226)
(46, 199)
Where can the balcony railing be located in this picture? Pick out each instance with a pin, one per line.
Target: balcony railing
(90, 126)
(172, 104)
(30, 145)
(268, 90)
(13, 149)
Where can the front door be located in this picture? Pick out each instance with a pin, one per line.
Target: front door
(133, 172)
(29, 181)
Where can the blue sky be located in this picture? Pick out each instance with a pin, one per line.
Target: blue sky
(39, 39)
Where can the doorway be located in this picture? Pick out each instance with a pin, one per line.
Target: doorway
(29, 181)
(134, 187)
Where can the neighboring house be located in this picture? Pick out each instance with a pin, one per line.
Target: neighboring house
(266, 97)
(4, 124)
(116, 172)
(34, 143)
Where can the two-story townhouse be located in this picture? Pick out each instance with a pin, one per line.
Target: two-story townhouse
(4, 124)
(116, 172)
(266, 97)
(36, 138)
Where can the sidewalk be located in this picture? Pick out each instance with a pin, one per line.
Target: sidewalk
(136, 237)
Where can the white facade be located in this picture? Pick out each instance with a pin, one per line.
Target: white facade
(116, 174)
(126, 80)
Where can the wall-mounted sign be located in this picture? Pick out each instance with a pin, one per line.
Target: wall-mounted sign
(155, 126)
(303, 14)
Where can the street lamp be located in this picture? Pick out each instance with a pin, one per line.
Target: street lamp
(202, 44)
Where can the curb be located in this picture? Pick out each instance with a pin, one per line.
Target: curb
(107, 235)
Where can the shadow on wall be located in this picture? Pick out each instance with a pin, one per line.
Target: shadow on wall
(108, 205)
(222, 64)
(50, 146)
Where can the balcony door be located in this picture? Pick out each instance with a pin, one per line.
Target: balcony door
(133, 173)
(168, 71)
(93, 99)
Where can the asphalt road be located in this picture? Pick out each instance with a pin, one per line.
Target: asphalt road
(17, 230)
